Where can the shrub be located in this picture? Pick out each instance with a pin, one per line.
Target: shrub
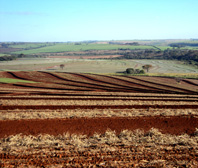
(130, 71)
(134, 71)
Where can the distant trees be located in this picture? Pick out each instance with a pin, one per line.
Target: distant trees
(179, 45)
(190, 56)
(77, 43)
(21, 55)
(134, 44)
(4, 45)
(147, 67)
(7, 58)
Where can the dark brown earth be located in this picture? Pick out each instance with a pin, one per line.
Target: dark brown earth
(53, 107)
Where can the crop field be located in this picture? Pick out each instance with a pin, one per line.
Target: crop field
(30, 45)
(2, 55)
(64, 47)
(78, 120)
(35, 48)
(159, 67)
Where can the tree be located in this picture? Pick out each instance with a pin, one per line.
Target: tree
(129, 70)
(141, 71)
(137, 71)
(146, 67)
(21, 55)
(4, 45)
(62, 66)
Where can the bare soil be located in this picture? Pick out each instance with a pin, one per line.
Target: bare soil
(172, 125)
(87, 82)
(120, 156)
(39, 142)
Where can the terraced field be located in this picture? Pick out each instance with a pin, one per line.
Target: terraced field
(79, 120)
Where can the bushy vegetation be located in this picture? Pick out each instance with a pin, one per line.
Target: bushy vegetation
(134, 71)
(179, 45)
(8, 57)
(191, 56)
(25, 46)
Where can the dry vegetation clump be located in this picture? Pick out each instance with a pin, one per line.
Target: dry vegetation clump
(90, 97)
(154, 137)
(128, 149)
(92, 102)
(64, 113)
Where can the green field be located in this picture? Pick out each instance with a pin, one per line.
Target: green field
(64, 47)
(1, 55)
(10, 80)
(28, 45)
(56, 47)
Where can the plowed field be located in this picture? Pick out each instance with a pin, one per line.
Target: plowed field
(81, 120)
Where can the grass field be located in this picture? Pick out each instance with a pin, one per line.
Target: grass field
(35, 48)
(10, 80)
(30, 45)
(160, 67)
(1, 55)
(63, 47)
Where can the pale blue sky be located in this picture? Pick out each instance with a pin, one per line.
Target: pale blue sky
(77, 20)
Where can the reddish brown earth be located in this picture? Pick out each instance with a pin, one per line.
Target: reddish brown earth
(73, 86)
(124, 156)
(172, 125)
(87, 82)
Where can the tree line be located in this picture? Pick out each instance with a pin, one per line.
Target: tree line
(7, 58)
(191, 56)
(179, 45)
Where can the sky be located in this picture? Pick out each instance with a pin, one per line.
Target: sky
(79, 20)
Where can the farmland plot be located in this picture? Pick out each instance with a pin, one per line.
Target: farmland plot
(79, 120)
(96, 64)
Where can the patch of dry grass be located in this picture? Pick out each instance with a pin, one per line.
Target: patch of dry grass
(22, 143)
(64, 113)
(93, 102)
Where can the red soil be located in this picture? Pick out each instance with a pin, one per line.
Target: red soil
(78, 85)
(87, 82)
(124, 156)
(172, 125)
